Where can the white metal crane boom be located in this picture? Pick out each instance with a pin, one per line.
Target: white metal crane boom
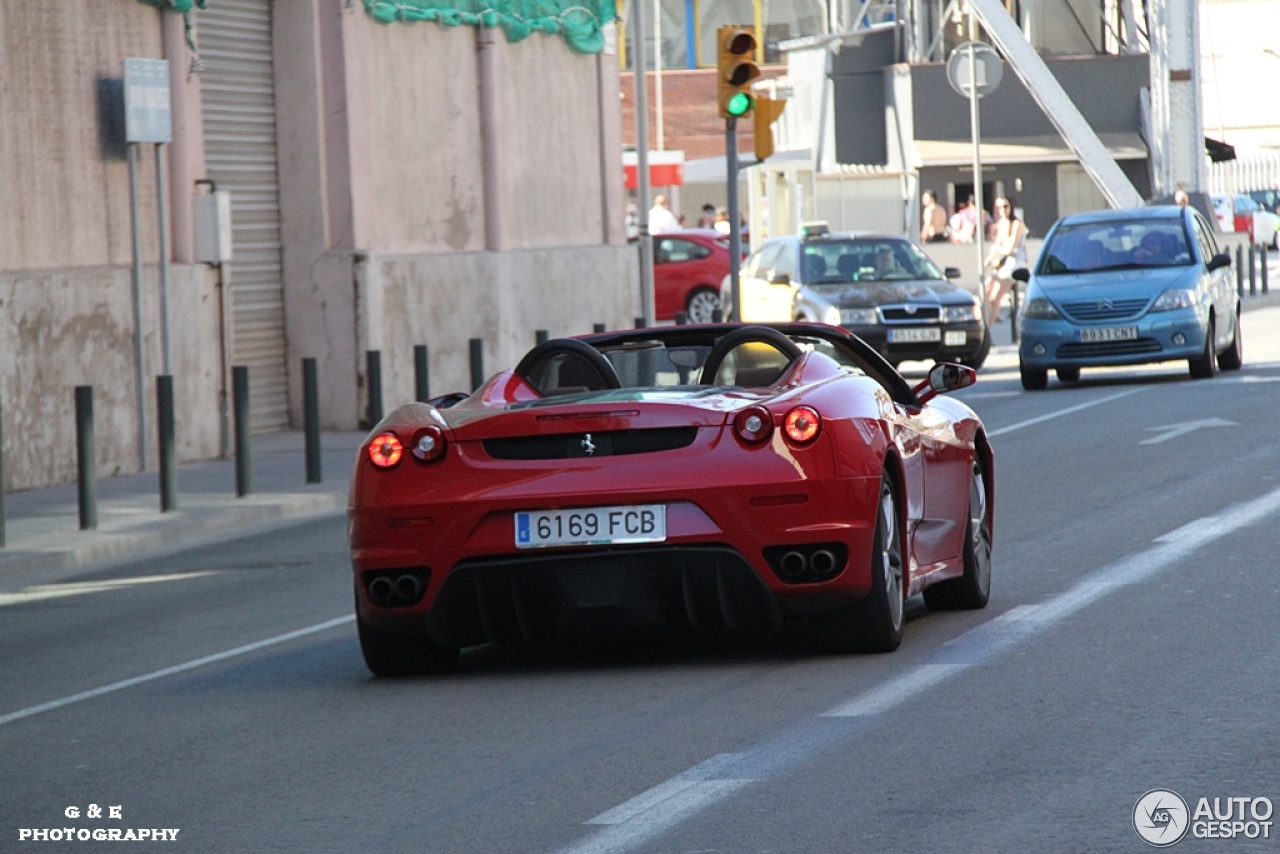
(1057, 105)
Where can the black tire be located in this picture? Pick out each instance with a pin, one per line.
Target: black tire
(1068, 375)
(388, 656)
(1034, 379)
(876, 623)
(973, 589)
(1232, 358)
(702, 303)
(1205, 366)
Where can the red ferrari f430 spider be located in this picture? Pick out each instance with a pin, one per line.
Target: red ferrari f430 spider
(717, 477)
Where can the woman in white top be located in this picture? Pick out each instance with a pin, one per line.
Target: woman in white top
(1008, 253)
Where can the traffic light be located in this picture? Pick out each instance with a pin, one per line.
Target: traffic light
(767, 111)
(736, 62)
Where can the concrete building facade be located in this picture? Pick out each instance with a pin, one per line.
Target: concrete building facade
(391, 185)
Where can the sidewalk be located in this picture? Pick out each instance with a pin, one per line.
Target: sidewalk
(43, 539)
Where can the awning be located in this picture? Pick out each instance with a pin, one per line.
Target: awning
(1219, 151)
(1021, 149)
(666, 169)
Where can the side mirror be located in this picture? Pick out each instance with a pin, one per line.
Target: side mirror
(776, 278)
(952, 272)
(1022, 274)
(1217, 262)
(944, 377)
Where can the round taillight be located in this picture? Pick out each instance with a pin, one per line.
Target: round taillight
(385, 450)
(802, 424)
(753, 425)
(428, 444)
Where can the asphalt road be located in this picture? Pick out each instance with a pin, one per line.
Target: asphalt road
(1129, 646)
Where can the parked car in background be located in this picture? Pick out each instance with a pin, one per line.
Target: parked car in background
(1243, 213)
(688, 269)
(1129, 287)
(1268, 199)
(882, 288)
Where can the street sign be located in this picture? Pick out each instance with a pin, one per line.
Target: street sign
(148, 116)
(974, 61)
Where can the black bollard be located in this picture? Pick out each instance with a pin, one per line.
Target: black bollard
(682, 318)
(240, 415)
(540, 336)
(168, 443)
(311, 418)
(1253, 271)
(373, 361)
(717, 316)
(477, 363)
(639, 323)
(86, 464)
(1013, 315)
(421, 374)
(1265, 287)
(598, 328)
(1240, 270)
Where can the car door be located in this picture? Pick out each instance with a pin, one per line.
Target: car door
(766, 295)
(1222, 283)
(935, 464)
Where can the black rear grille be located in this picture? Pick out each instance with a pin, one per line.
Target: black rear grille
(612, 443)
(911, 313)
(1102, 310)
(1109, 348)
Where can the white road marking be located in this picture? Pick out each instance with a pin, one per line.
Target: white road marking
(1173, 431)
(38, 592)
(1061, 412)
(654, 812)
(170, 671)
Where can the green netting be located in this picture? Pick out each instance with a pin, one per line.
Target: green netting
(581, 23)
(184, 7)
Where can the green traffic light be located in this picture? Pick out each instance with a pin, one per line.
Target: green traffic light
(738, 104)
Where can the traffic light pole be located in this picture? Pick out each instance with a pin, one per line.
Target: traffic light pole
(735, 218)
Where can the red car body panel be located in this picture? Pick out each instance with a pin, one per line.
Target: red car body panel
(720, 492)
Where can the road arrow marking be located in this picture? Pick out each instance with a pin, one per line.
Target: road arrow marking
(1173, 431)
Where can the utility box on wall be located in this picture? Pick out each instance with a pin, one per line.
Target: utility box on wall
(213, 227)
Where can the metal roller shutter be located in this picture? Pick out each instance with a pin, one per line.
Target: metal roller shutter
(238, 93)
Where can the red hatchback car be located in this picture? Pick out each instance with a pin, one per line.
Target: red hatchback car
(688, 268)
